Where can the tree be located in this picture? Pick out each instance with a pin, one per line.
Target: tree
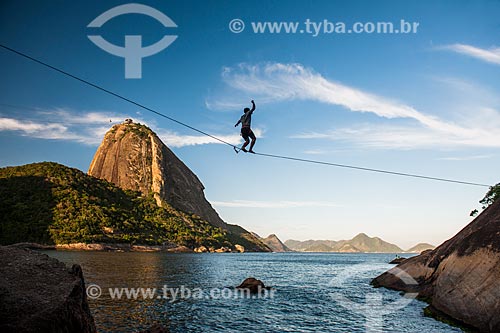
(491, 196)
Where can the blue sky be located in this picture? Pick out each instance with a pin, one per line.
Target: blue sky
(423, 103)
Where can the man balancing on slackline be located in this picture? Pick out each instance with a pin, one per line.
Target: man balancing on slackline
(246, 131)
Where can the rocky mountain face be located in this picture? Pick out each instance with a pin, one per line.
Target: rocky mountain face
(275, 244)
(133, 157)
(461, 277)
(360, 243)
(40, 294)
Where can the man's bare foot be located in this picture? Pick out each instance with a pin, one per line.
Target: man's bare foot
(245, 150)
(251, 151)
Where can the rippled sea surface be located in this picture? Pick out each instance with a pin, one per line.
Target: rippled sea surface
(312, 292)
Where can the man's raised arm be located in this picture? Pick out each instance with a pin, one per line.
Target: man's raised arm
(253, 106)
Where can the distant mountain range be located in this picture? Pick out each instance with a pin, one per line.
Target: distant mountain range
(420, 247)
(275, 244)
(360, 243)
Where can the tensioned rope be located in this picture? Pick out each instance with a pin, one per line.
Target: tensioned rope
(228, 143)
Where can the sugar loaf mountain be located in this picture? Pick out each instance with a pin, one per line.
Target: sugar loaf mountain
(137, 195)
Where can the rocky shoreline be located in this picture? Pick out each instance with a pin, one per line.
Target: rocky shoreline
(460, 279)
(122, 247)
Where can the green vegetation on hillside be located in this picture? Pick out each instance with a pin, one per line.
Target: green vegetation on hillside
(50, 203)
(490, 197)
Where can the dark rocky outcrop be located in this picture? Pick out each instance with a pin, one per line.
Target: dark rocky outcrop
(253, 285)
(461, 277)
(275, 244)
(397, 260)
(40, 294)
(133, 157)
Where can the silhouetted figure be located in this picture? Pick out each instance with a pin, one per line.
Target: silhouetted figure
(246, 131)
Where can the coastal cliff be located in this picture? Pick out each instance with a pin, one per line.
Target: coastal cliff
(460, 278)
(137, 196)
(133, 157)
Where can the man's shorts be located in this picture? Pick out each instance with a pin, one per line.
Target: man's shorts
(246, 133)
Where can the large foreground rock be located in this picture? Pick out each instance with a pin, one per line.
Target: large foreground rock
(461, 277)
(40, 294)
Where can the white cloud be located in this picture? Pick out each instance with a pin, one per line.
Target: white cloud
(63, 124)
(489, 55)
(315, 151)
(90, 127)
(173, 139)
(272, 204)
(28, 126)
(405, 137)
(278, 82)
(465, 158)
(54, 131)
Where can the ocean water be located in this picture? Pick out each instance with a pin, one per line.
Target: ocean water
(312, 292)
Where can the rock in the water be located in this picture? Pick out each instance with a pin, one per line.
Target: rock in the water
(461, 277)
(40, 294)
(239, 248)
(397, 260)
(253, 285)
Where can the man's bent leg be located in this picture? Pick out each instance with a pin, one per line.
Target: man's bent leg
(252, 136)
(245, 144)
